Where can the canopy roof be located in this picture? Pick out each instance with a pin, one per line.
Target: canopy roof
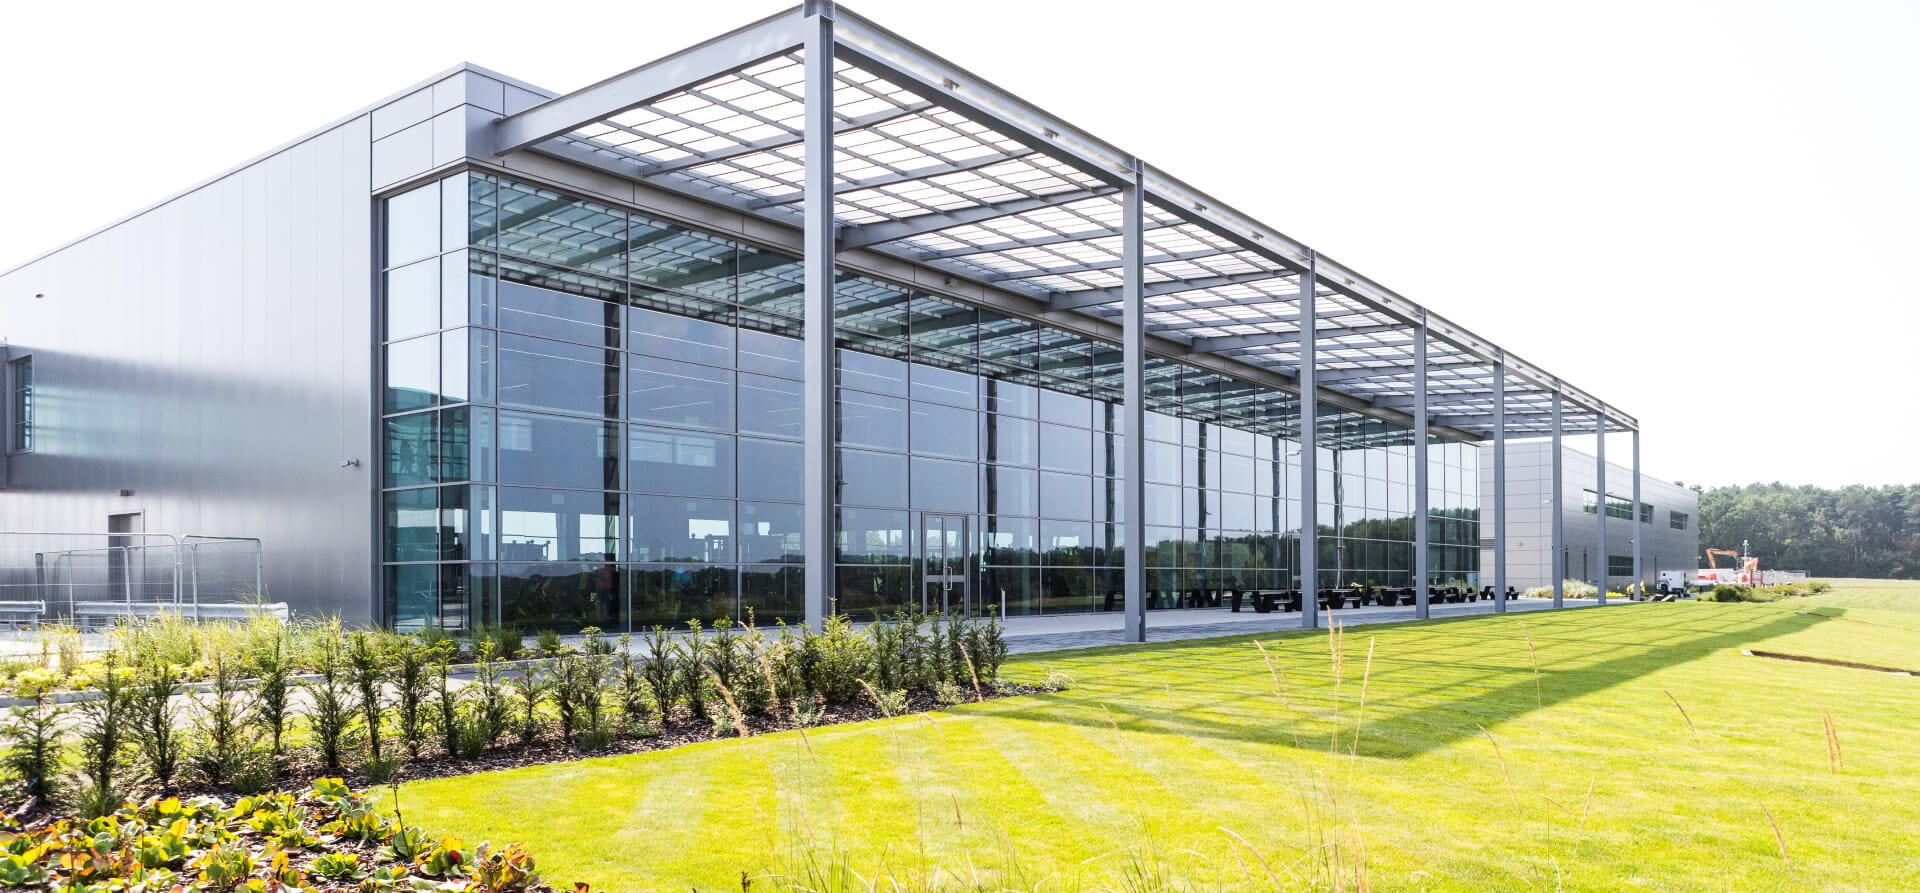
(939, 168)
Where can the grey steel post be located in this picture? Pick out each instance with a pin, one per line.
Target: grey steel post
(1559, 523)
(1500, 486)
(1134, 392)
(818, 366)
(1309, 448)
(1420, 482)
(1639, 527)
(1600, 497)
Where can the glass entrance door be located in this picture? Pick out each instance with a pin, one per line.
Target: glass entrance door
(944, 541)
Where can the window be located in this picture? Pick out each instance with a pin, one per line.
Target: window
(1619, 565)
(20, 438)
(1646, 513)
(1676, 520)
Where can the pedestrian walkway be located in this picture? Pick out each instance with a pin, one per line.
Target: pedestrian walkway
(1028, 635)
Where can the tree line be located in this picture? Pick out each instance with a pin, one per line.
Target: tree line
(1855, 531)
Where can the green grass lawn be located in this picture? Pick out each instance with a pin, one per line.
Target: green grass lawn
(1151, 772)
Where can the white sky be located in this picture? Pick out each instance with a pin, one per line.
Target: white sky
(1699, 212)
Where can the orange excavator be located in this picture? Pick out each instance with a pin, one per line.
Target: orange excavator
(1740, 569)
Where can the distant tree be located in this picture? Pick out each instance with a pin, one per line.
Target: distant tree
(1855, 531)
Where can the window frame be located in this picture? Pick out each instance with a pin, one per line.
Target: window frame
(19, 407)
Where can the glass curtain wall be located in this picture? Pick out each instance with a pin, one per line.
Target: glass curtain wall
(594, 419)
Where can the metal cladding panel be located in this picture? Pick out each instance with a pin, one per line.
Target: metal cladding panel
(214, 356)
(1529, 489)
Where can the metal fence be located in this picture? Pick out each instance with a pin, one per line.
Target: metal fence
(91, 578)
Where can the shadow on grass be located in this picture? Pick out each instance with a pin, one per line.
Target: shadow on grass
(1424, 696)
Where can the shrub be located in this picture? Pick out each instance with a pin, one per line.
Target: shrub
(629, 691)
(657, 670)
(690, 672)
(1817, 587)
(106, 735)
(156, 720)
(414, 660)
(833, 661)
(225, 723)
(1568, 589)
(273, 671)
(1731, 592)
(548, 642)
(491, 710)
(367, 664)
(330, 709)
(34, 730)
(530, 692)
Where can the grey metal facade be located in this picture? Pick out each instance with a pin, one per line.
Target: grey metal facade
(1530, 511)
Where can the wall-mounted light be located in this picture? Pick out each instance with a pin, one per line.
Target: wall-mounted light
(349, 463)
(126, 492)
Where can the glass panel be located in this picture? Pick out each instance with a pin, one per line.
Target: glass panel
(558, 525)
(413, 224)
(480, 536)
(454, 195)
(413, 596)
(542, 374)
(866, 309)
(1066, 495)
(772, 594)
(548, 227)
(413, 525)
(1010, 441)
(465, 433)
(411, 450)
(880, 375)
(680, 462)
(563, 596)
(869, 420)
(771, 282)
(466, 595)
(669, 392)
(553, 314)
(1066, 409)
(772, 532)
(872, 478)
(770, 406)
(413, 300)
(872, 536)
(1067, 590)
(772, 469)
(1010, 491)
(453, 365)
(770, 353)
(1009, 398)
(944, 385)
(944, 325)
(870, 592)
(944, 431)
(665, 257)
(481, 215)
(557, 451)
(1012, 541)
(482, 365)
(413, 374)
(678, 529)
(679, 337)
(1065, 449)
(943, 486)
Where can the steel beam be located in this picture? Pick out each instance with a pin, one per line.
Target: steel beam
(1309, 451)
(1640, 526)
(817, 361)
(728, 53)
(1216, 343)
(1133, 345)
(1421, 435)
(894, 179)
(1500, 488)
(1601, 503)
(1111, 263)
(1559, 522)
(865, 235)
(1074, 300)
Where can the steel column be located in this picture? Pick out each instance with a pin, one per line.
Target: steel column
(1309, 447)
(1500, 487)
(818, 261)
(1134, 392)
(1559, 522)
(1639, 522)
(1420, 482)
(1600, 507)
